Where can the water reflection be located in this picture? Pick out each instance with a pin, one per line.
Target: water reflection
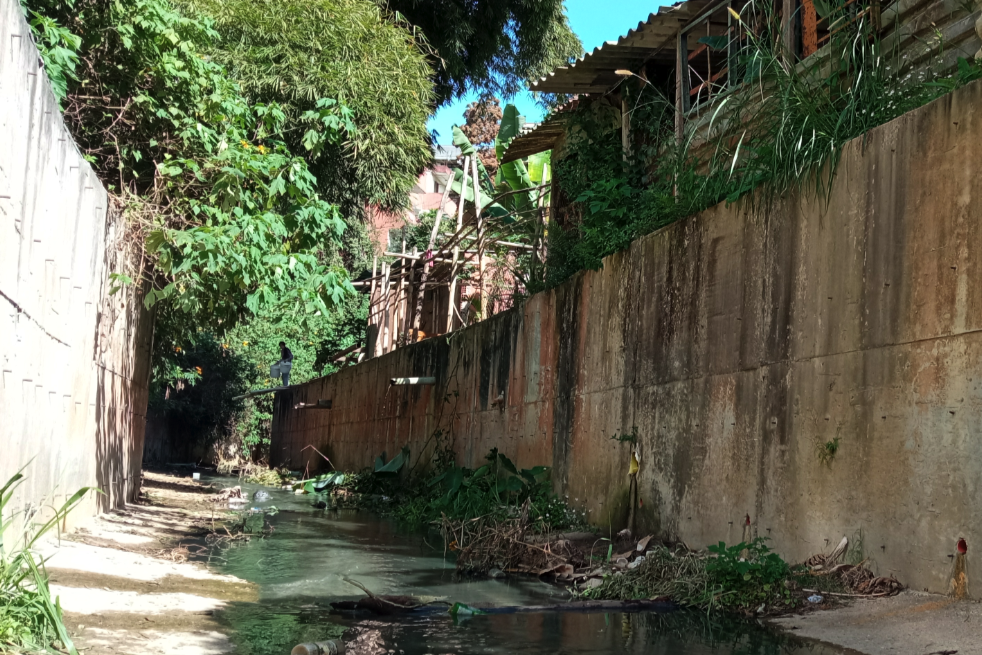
(265, 629)
(301, 568)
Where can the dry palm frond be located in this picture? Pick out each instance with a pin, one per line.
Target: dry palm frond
(821, 561)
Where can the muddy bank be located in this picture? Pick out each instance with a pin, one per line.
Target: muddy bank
(125, 582)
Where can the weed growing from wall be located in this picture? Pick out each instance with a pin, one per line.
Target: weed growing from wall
(782, 129)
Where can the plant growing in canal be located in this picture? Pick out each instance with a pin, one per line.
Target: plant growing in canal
(496, 488)
(739, 578)
(30, 619)
(747, 574)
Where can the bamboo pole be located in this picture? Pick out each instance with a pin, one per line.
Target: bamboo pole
(456, 250)
(384, 317)
(424, 275)
(400, 304)
(410, 333)
(371, 294)
(480, 239)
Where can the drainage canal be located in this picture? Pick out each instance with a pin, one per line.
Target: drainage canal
(302, 566)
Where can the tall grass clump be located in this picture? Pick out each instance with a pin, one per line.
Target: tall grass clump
(780, 127)
(30, 619)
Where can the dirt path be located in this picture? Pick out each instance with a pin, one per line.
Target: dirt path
(912, 624)
(125, 583)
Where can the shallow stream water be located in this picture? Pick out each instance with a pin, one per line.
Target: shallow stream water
(301, 567)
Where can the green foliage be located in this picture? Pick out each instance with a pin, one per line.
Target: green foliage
(193, 385)
(783, 129)
(59, 50)
(514, 176)
(293, 52)
(196, 375)
(739, 578)
(827, 451)
(631, 437)
(496, 488)
(492, 46)
(747, 575)
(30, 619)
(232, 218)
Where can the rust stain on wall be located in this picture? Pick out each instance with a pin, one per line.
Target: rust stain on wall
(737, 343)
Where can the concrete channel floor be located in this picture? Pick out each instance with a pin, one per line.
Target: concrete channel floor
(126, 586)
(911, 623)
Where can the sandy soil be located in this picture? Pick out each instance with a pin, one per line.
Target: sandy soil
(125, 583)
(911, 623)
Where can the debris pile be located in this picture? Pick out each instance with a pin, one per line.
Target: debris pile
(492, 546)
(230, 495)
(855, 577)
(487, 545)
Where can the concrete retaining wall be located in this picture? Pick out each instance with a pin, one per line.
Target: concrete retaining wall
(737, 343)
(73, 359)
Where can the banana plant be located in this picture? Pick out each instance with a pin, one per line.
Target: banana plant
(514, 175)
(514, 178)
(466, 190)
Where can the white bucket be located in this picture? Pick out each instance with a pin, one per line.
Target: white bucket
(274, 371)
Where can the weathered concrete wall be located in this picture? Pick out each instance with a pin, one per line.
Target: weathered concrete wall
(737, 344)
(73, 359)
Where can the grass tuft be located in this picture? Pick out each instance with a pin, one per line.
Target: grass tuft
(30, 619)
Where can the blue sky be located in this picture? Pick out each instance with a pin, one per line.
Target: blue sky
(595, 21)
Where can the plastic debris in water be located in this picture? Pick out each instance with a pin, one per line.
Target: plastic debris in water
(459, 609)
(330, 647)
(815, 599)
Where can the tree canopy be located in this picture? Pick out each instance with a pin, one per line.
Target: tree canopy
(293, 52)
(491, 46)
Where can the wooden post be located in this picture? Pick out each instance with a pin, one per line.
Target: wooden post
(480, 238)
(978, 30)
(625, 127)
(400, 299)
(456, 248)
(787, 29)
(681, 86)
(681, 90)
(410, 319)
(428, 264)
(371, 307)
(809, 28)
(384, 317)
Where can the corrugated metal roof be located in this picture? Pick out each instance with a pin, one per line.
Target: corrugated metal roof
(446, 153)
(539, 139)
(653, 39)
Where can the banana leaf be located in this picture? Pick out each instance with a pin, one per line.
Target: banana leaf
(393, 465)
(513, 174)
(488, 208)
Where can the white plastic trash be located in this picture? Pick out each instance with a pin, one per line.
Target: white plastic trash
(195, 476)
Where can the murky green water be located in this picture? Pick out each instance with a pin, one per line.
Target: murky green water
(301, 568)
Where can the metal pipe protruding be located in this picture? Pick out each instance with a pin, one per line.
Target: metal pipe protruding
(403, 381)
